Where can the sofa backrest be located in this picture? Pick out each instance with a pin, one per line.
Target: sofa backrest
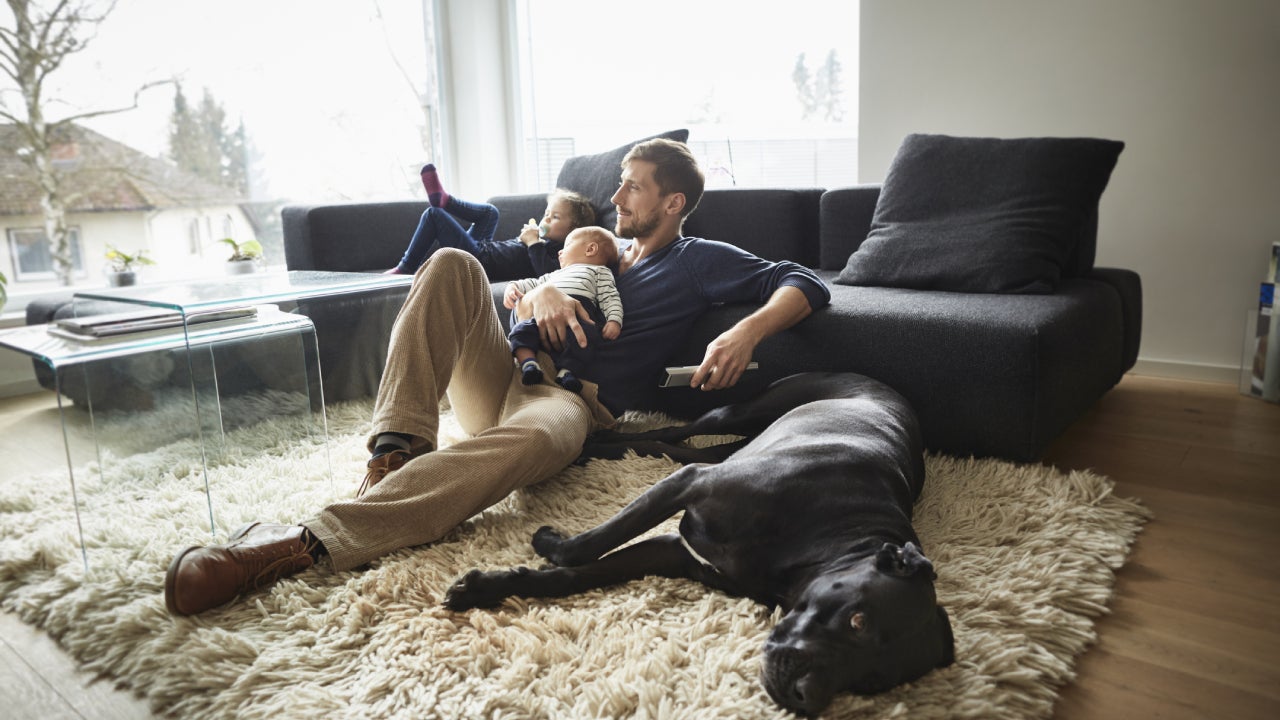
(775, 224)
(349, 238)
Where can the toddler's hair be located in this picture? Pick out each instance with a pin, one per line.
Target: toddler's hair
(580, 211)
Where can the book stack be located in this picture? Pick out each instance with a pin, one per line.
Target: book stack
(1260, 368)
(133, 324)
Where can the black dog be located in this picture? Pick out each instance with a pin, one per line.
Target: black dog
(812, 512)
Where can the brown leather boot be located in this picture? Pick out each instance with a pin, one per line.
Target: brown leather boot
(201, 578)
(382, 466)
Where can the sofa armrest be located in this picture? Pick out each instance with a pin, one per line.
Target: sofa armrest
(1129, 286)
(845, 219)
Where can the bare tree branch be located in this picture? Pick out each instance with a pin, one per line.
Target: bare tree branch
(99, 113)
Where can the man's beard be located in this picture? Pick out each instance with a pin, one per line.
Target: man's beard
(639, 227)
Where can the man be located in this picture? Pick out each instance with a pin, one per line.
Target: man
(447, 337)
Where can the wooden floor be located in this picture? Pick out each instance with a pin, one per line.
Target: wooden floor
(1194, 630)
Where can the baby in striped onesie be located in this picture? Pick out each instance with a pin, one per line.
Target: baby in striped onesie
(585, 275)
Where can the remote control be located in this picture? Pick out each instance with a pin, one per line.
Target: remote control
(681, 376)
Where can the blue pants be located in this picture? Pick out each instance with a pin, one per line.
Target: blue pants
(443, 227)
(573, 358)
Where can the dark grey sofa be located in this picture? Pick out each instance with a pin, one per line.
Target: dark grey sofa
(989, 374)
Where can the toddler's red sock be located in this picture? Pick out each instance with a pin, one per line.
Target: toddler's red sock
(435, 191)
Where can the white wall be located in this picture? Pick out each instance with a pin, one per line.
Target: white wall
(1192, 87)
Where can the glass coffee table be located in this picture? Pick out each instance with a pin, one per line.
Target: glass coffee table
(194, 384)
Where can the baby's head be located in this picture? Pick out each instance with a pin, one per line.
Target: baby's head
(566, 211)
(591, 246)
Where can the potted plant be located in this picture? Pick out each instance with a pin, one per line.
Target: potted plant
(245, 256)
(123, 268)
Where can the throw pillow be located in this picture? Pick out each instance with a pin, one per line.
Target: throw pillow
(597, 176)
(983, 214)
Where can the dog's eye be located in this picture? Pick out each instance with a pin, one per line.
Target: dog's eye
(857, 621)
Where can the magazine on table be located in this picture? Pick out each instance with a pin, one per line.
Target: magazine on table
(96, 327)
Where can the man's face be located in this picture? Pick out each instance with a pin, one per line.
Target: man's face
(639, 202)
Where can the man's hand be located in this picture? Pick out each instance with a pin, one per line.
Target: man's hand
(728, 355)
(511, 297)
(611, 330)
(557, 315)
(726, 359)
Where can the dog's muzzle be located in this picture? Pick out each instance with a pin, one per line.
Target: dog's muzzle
(795, 681)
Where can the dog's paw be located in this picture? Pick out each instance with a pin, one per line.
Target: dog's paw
(478, 589)
(560, 550)
(548, 543)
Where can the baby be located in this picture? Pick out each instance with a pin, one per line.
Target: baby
(585, 275)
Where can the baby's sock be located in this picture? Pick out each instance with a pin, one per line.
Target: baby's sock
(530, 373)
(568, 381)
(435, 191)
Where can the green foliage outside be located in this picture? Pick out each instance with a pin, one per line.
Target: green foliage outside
(819, 93)
(200, 143)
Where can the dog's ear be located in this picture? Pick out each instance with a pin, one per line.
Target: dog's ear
(903, 561)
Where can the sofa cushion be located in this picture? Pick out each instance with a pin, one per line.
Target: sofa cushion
(984, 214)
(597, 176)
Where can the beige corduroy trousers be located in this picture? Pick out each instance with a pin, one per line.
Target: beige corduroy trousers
(447, 338)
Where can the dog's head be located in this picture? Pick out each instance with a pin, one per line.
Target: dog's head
(864, 629)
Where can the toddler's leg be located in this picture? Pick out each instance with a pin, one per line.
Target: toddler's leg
(436, 228)
(482, 217)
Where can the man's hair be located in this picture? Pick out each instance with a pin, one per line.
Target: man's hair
(581, 214)
(676, 170)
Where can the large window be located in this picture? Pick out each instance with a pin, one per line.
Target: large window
(285, 101)
(332, 94)
(768, 92)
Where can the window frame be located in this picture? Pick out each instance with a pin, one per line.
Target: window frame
(14, 240)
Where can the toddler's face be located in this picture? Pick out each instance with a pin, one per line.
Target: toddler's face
(558, 220)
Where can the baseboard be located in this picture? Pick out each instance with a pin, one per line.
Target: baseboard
(1188, 371)
(19, 387)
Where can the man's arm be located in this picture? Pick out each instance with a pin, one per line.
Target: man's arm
(557, 315)
(727, 356)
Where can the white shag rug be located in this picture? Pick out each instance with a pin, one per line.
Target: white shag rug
(1026, 557)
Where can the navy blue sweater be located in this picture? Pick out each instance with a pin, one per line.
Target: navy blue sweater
(665, 293)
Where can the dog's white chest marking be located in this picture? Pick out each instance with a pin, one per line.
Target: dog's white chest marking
(703, 561)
